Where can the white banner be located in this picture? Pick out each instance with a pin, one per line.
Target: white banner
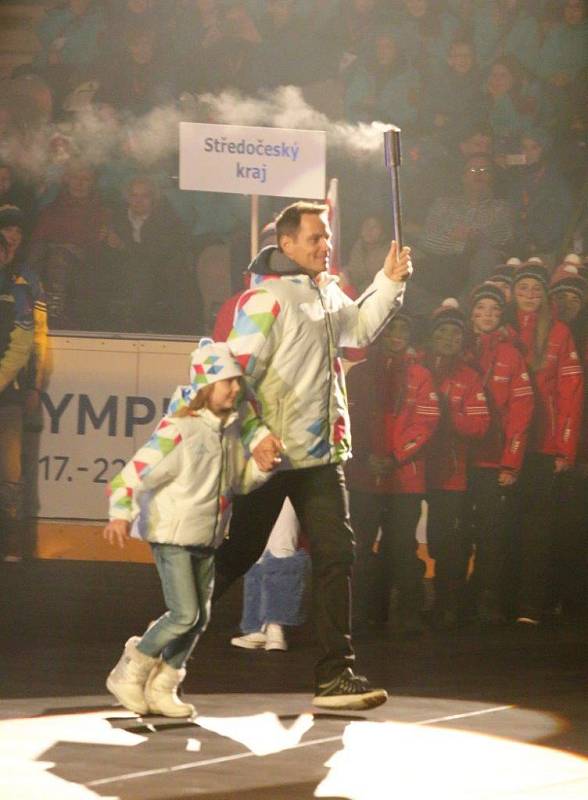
(104, 398)
(247, 160)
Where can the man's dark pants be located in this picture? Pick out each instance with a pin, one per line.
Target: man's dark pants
(319, 497)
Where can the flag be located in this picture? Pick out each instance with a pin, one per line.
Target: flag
(332, 201)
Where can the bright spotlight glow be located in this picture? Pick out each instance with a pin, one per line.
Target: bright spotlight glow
(383, 760)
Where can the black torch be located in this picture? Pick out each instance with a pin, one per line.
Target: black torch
(392, 157)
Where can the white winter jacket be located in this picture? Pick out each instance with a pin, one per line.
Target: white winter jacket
(180, 484)
(287, 332)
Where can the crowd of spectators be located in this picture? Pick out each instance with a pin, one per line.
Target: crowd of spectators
(490, 95)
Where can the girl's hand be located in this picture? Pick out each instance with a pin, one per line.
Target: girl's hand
(561, 464)
(117, 532)
(506, 477)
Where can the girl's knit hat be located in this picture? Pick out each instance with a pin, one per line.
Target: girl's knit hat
(403, 316)
(448, 312)
(566, 278)
(211, 362)
(488, 291)
(11, 215)
(504, 273)
(533, 268)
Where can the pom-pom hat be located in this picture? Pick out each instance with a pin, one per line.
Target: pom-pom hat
(504, 273)
(574, 259)
(566, 278)
(488, 291)
(448, 312)
(532, 269)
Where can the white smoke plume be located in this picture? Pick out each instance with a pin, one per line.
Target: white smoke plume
(97, 135)
(286, 108)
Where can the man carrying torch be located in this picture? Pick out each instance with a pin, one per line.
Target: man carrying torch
(288, 328)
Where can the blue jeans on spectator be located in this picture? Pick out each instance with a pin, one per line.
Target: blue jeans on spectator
(273, 591)
(187, 580)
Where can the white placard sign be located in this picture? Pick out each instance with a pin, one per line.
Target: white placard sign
(259, 161)
(104, 398)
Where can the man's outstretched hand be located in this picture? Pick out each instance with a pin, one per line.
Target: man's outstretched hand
(398, 266)
(267, 453)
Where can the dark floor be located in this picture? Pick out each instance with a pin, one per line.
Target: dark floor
(62, 625)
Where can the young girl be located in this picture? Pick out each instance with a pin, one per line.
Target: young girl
(179, 486)
(464, 419)
(497, 459)
(394, 412)
(556, 372)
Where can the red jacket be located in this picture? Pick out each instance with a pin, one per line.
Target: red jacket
(225, 318)
(68, 220)
(394, 411)
(583, 441)
(510, 399)
(464, 417)
(559, 389)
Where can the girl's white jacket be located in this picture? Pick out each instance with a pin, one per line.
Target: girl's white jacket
(181, 483)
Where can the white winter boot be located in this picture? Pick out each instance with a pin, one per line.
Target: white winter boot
(161, 692)
(128, 678)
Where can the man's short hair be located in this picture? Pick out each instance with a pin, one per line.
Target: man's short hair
(288, 221)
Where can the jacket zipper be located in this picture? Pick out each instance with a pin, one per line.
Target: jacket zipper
(219, 485)
(330, 340)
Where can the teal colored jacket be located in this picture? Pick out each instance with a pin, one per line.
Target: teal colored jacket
(395, 102)
(80, 34)
(565, 49)
(491, 41)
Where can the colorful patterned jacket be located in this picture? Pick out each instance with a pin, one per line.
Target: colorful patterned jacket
(287, 333)
(181, 482)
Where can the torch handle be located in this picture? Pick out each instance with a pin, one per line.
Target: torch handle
(396, 210)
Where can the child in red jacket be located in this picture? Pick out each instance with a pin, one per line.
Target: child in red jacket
(568, 591)
(498, 457)
(464, 419)
(556, 372)
(394, 411)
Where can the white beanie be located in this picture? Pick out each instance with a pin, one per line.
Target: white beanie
(211, 362)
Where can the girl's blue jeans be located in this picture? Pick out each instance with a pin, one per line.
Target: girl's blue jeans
(187, 580)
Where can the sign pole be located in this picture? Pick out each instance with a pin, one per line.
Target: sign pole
(254, 225)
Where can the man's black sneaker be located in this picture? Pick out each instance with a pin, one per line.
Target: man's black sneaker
(349, 692)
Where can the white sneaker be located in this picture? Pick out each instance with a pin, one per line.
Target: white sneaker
(250, 641)
(274, 637)
(527, 621)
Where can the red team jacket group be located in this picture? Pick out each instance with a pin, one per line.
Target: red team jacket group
(485, 410)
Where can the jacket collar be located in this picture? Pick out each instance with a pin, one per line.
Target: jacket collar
(214, 422)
